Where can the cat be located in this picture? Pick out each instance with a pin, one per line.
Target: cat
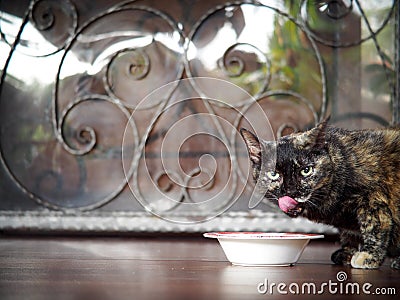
(346, 178)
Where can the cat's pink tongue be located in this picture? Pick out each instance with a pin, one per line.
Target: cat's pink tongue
(286, 203)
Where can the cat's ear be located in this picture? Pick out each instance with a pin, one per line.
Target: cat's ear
(253, 145)
(318, 133)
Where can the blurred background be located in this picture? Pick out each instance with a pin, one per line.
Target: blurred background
(123, 116)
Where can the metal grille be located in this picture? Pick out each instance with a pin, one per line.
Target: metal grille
(124, 115)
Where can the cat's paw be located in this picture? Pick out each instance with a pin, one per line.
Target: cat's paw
(364, 260)
(396, 263)
(341, 257)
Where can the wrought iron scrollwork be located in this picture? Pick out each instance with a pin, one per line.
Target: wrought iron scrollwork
(134, 95)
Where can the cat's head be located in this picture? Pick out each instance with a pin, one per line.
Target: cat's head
(293, 170)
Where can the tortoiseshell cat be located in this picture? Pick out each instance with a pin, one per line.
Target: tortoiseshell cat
(348, 179)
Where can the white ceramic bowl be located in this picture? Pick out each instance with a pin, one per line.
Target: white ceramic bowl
(262, 248)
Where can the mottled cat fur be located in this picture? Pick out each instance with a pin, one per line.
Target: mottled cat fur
(348, 179)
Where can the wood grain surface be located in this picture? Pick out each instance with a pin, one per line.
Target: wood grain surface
(172, 268)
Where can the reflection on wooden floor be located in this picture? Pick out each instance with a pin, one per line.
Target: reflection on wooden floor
(172, 268)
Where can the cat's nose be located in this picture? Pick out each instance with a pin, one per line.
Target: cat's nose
(288, 189)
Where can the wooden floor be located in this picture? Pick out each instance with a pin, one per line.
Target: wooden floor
(172, 268)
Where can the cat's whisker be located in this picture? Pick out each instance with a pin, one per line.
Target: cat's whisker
(311, 202)
(271, 198)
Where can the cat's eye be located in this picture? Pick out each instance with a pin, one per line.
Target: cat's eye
(272, 175)
(307, 171)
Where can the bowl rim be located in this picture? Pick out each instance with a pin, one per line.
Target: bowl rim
(254, 235)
